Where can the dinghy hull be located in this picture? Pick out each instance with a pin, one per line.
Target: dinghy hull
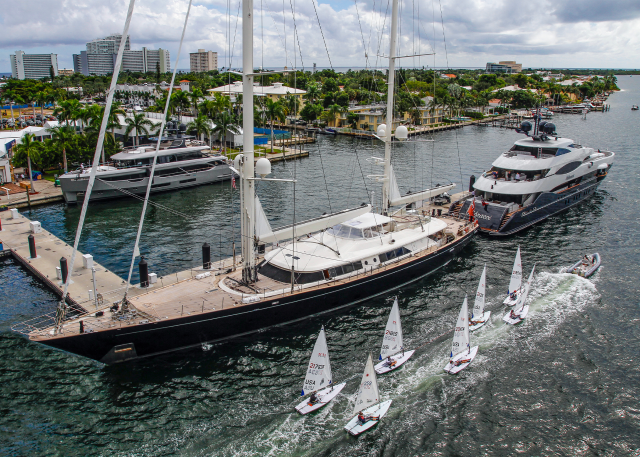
(147, 339)
(400, 359)
(354, 427)
(483, 320)
(507, 317)
(325, 396)
(452, 369)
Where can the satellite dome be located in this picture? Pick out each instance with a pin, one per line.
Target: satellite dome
(402, 133)
(263, 167)
(541, 125)
(237, 161)
(526, 126)
(549, 128)
(382, 130)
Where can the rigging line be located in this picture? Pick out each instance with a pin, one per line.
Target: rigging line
(324, 176)
(322, 33)
(443, 36)
(235, 34)
(155, 157)
(138, 197)
(295, 32)
(284, 32)
(366, 55)
(62, 307)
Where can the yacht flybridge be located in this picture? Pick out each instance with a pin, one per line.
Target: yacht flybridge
(285, 274)
(182, 162)
(538, 177)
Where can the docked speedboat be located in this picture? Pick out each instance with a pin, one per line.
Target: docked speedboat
(181, 163)
(538, 177)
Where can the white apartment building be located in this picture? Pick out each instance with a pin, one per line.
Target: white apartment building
(33, 66)
(202, 61)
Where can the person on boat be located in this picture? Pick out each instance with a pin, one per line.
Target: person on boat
(518, 177)
(364, 419)
(513, 315)
(390, 362)
(513, 295)
(313, 399)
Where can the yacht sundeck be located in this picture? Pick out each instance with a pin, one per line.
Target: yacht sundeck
(182, 162)
(538, 177)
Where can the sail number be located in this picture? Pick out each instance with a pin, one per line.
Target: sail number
(321, 354)
(516, 272)
(316, 366)
(480, 295)
(459, 329)
(389, 332)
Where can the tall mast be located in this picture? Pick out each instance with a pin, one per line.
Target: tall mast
(391, 83)
(247, 220)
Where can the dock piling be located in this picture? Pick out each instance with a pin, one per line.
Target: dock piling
(64, 269)
(32, 247)
(206, 256)
(144, 272)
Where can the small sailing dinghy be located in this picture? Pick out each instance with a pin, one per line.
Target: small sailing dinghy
(520, 311)
(367, 412)
(392, 353)
(479, 316)
(462, 354)
(585, 267)
(318, 381)
(515, 285)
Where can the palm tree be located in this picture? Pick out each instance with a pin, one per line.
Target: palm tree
(312, 93)
(139, 123)
(292, 103)
(200, 125)
(69, 110)
(63, 136)
(42, 97)
(274, 110)
(28, 146)
(180, 100)
(225, 122)
(333, 112)
(195, 95)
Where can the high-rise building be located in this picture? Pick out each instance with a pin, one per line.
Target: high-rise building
(33, 66)
(505, 66)
(203, 61)
(100, 58)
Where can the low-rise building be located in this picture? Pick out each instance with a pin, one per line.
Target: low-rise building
(33, 66)
(275, 92)
(504, 66)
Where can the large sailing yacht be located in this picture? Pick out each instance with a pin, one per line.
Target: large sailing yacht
(538, 177)
(286, 274)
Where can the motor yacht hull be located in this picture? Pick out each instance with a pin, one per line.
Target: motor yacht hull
(73, 189)
(548, 204)
(147, 339)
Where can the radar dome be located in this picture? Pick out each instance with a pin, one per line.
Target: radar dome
(263, 167)
(402, 133)
(526, 126)
(382, 130)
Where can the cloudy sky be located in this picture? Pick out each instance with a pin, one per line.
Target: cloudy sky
(560, 33)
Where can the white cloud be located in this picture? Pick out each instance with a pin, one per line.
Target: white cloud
(562, 33)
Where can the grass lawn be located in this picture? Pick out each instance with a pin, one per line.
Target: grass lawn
(49, 175)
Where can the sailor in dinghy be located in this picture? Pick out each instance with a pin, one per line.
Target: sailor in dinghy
(318, 380)
(392, 352)
(479, 316)
(520, 311)
(368, 411)
(462, 354)
(515, 284)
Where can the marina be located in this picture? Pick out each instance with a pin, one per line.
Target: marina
(428, 307)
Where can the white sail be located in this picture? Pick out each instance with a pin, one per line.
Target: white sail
(263, 228)
(392, 341)
(461, 333)
(312, 225)
(516, 274)
(368, 393)
(394, 190)
(522, 299)
(319, 371)
(478, 305)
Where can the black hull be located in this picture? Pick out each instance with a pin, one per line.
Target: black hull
(546, 205)
(118, 345)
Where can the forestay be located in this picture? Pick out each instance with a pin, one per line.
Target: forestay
(368, 394)
(516, 274)
(319, 371)
(478, 305)
(395, 199)
(461, 334)
(265, 234)
(392, 341)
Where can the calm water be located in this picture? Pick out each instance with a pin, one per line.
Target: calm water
(563, 383)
